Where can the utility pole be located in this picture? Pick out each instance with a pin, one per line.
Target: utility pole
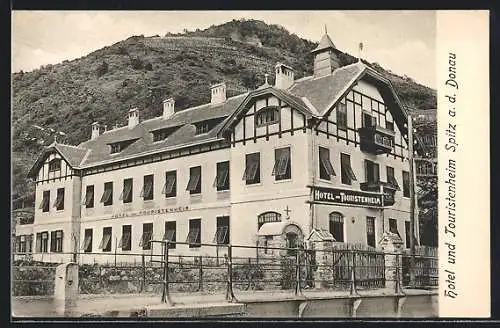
(412, 199)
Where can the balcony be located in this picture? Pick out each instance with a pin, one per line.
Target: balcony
(376, 186)
(376, 140)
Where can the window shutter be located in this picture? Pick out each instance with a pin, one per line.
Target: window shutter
(193, 181)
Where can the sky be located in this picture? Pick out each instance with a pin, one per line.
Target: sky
(401, 41)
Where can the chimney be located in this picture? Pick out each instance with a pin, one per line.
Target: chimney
(95, 130)
(133, 118)
(284, 76)
(218, 93)
(326, 58)
(168, 107)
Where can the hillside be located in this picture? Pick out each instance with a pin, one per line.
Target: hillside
(142, 71)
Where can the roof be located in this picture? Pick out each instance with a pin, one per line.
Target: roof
(312, 96)
(325, 43)
(322, 91)
(73, 155)
(324, 235)
(185, 134)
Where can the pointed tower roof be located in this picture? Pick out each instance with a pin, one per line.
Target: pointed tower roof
(325, 43)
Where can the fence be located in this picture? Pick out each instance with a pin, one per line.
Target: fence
(293, 269)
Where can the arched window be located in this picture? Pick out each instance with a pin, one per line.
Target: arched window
(267, 116)
(267, 217)
(337, 226)
(54, 164)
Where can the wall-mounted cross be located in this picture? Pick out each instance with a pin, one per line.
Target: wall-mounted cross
(287, 211)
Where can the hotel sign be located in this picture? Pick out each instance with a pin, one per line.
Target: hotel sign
(350, 197)
(151, 212)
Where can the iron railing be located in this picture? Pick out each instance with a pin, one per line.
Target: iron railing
(160, 270)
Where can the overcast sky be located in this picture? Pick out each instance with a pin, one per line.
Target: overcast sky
(402, 41)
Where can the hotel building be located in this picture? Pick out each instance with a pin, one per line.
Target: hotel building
(325, 152)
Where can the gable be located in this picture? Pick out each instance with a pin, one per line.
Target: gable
(262, 98)
(50, 165)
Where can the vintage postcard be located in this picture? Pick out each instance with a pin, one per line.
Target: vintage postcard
(250, 164)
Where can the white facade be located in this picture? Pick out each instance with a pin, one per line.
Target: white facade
(268, 122)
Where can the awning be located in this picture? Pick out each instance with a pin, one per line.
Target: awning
(277, 228)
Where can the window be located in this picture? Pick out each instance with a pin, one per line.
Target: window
(342, 116)
(87, 241)
(21, 244)
(44, 205)
(147, 236)
(370, 231)
(371, 172)
(202, 127)
(337, 226)
(389, 125)
(222, 177)
(59, 203)
(56, 240)
(222, 233)
(406, 184)
(266, 116)
(105, 244)
(291, 243)
(148, 187)
(393, 226)
(268, 217)
(42, 242)
(325, 166)
(194, 235)
(29, 243)
(252, 169)
(170, 234)
(55, 165)
(89, 197)
(407, 233)
(194, 184)
(170, 188)
(282, 166)
(126, 240)
(391, 179)
(163, 134)
(126, 195)
(369, 120)
(115, 148)
(347, 174)
(107, 195)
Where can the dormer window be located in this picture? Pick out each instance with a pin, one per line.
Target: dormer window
(162, 134)
(117, 147)
(206, 126)
(267, 116)
(202, 127)
(55, 165)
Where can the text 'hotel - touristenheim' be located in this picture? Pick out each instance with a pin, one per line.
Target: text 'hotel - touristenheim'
(326, 152)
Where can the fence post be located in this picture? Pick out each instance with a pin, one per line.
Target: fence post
(229, 290)
(165, 297)
(143, 267)
(200, 272)
(298, 291)
(353, 274)
(397, 285)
